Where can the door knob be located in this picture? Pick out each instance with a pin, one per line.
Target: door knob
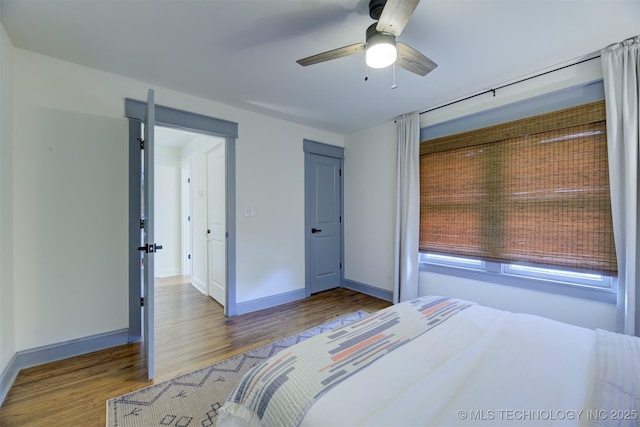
(150, 248)
(315, 230)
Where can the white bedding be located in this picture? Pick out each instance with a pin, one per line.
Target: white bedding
(465, 371)
(481, 367)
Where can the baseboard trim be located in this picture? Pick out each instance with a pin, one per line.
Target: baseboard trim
(199, 285)
(8, 377)
(169, 272)
(363, 288)
(54, 352)
(270, 301)
(64, 350)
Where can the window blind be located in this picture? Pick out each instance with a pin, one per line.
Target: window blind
(532, 191)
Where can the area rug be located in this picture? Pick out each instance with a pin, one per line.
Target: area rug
(193, 399)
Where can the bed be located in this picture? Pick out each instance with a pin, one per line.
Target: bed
(437, 361)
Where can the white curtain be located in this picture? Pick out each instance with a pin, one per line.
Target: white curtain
(621, 72)
(407, 207)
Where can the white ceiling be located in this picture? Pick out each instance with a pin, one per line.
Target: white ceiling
(172, 138)
(243, 52)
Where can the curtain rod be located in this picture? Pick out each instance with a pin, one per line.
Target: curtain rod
(493, 91)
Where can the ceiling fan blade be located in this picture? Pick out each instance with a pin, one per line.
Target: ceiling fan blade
(332, 54)
(395, 15)
(412, 60)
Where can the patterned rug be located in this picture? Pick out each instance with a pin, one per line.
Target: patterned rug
(193, 399)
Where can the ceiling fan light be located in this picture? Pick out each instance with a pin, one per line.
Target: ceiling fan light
(381, 50)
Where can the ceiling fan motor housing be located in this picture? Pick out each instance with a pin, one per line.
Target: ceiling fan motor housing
(380, 48)
(375, 8)
(374, 36)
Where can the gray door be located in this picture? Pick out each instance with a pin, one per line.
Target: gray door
(323, 200)
(148, 247)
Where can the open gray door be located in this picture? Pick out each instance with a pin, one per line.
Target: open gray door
(148, 247)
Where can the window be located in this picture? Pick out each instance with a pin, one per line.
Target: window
(590, 279)
(594, 286)
(453, 261)
(531, 196)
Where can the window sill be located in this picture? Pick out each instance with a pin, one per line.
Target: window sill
(593, 293)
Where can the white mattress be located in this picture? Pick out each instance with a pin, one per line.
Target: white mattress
(480, 367)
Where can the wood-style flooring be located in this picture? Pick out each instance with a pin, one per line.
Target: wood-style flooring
(191, 332)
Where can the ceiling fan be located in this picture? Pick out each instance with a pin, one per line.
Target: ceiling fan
(380, 46)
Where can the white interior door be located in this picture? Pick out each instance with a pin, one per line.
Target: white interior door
(216, 223)
(186, 229)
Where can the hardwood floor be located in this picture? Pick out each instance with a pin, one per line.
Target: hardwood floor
(191, 332)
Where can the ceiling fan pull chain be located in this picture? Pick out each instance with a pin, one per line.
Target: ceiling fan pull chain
(366, 71)
(394, 85)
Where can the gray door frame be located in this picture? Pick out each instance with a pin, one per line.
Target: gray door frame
(311, 148)
(191, 122)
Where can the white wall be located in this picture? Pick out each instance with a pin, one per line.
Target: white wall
(576, 311)
(70, 198)
(369, 205)
(369, 212)
(168, 210)
(70, 205)
(580, 74)
(270, 179)
(7, 326)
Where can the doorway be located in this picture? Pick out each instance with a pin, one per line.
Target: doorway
(172, 210)
(190, 209)
(188, 121)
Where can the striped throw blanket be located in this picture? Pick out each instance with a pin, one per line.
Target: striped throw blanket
(280, 391)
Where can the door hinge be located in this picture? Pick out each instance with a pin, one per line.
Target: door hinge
(189, 218)
(340, 266)
(189, 256)
(141, 301)
(188, 180)
(141, 222)
(340, 172)
(141, 143)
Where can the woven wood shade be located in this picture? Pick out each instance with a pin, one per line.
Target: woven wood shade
(531, 191)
